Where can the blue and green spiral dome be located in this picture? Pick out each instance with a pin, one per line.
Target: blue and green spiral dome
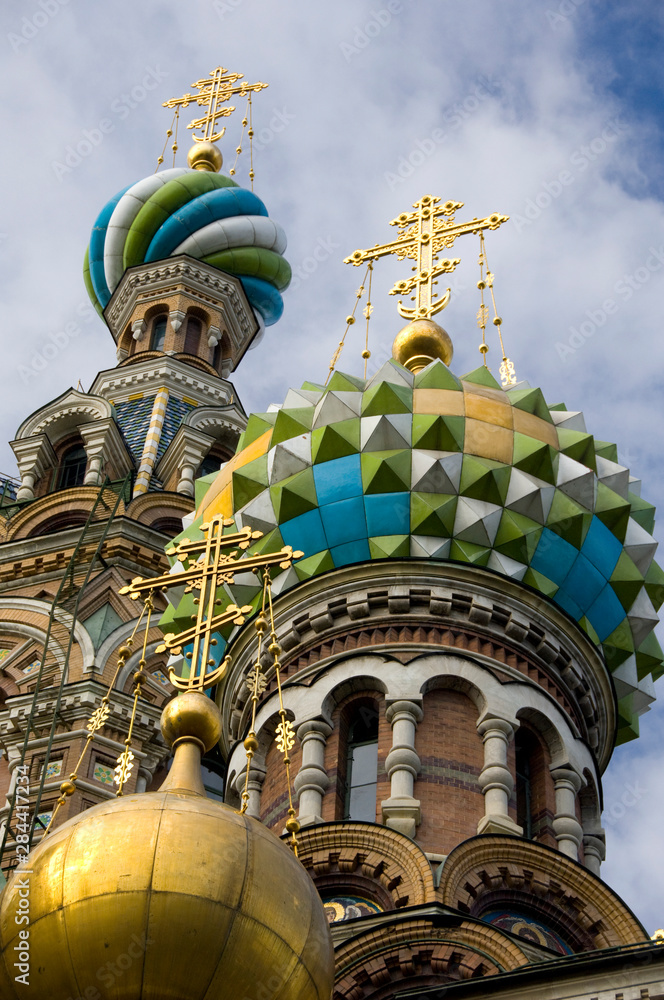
(195, 212)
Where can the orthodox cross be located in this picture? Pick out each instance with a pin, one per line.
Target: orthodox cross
(206, 566)
(214, 93)
(423, 234)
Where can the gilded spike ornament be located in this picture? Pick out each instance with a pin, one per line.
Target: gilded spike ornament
(213, 566)
(213, 95)
(423, 235)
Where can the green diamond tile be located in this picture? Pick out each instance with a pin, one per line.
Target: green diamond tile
(655, 585)
(558, 407)
(345, 383)
(249, 480)
(389, 546)
(314, 386)
(605, 449)
(464, 551)
(202, 485)
(433, 514)
(568, 519)
(589, 630)
(628, 721)
(540, 582)
(626, 581)
(437, 376)
(484, 479)
(612, 510)
(481, 376)
(579, 446)
(530, 400)
(294, 495)
(335, 440)
(618, 646)
(649, 658)
(517, 536)
(292, 423)
(438, 433)
(642, 512)
(387, 397)
(257, 424)
(271, 541)
(321, 562)
(386, 471)
(534, 457)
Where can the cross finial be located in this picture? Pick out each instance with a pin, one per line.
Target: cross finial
(213, 95)
(212, 568)
(422, 236)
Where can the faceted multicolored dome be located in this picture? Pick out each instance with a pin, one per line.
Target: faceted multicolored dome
(430, 466)
(195, 212)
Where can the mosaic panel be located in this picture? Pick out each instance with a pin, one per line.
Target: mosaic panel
(103, 773)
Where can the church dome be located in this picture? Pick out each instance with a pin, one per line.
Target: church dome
(431, 466)
(167, 894)
(196, 212)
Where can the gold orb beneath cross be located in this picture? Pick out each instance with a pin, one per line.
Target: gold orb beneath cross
(205, 156)
(420, 343)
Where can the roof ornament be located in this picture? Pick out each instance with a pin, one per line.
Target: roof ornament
(422, 236)
(213, 95)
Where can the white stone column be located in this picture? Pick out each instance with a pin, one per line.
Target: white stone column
(93, 475)
(568, 830)
(594, 851)
(496, 779)
(402, 811)
(254, 787)
(311, 781)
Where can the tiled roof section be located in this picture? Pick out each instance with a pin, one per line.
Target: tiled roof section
(133, 418)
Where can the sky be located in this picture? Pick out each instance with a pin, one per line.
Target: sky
(548, 111)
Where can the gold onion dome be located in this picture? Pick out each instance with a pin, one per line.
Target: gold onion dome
(420, 343)
(168, 895)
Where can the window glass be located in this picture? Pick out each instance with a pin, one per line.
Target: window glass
(72, 470)
(158, 334)
(362, 773)
(192, 336)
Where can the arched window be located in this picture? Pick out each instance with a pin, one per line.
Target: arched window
(72, 468)
(158, 333)
(211, 463)
(192, 336)
(523, 746)
(362, 765)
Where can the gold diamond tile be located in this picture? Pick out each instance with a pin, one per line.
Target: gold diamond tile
(493, 411)
(488, 440)
(528, 423)
(445, 401)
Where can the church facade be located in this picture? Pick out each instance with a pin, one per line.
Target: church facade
(466, 636)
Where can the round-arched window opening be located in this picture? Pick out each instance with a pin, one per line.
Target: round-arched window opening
(211, 463)
(158, 337)
(192, 336)
(170, 526)
(71, 471)
(60, 522)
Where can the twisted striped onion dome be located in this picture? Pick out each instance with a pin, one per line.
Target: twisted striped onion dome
(431, 466)
(199, 213)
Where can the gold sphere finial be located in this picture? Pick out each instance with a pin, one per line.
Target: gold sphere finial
(205, 156)
(420, 343)
(191, 716)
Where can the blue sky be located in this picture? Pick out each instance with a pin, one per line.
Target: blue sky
(549, 112)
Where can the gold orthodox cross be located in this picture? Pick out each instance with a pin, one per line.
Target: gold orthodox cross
(213, 94)
(211, 567)
(423, 234)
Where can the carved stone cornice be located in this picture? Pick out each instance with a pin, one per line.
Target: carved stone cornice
(179, 377)
(407, 608)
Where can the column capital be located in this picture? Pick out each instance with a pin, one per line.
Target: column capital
(494, 725)
(567, 777)
(312, 728)
(411, 710)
